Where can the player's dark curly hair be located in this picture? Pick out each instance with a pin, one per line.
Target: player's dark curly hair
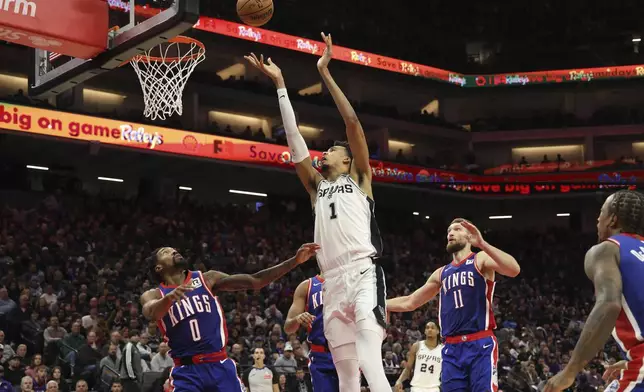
(151, 262)
(344, 144)
(628, 207)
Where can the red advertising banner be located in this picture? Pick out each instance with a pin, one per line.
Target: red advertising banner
(304, 45)
(30, 120)
(73, 27)
(547, 167)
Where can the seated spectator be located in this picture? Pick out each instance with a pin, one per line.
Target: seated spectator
(21, 352)
(7, 350)
(89, 321)
(26, 384)
(71, 343)
(54, 332)
(40, 379)
(301, 382)
(286, 363)
(5, 386)
(81, 386)
(52, 386)
(49, 296)
(116, 387)
(144, 348)
(36, 362)
(88, 359)
(6, 304)
(57, 377)
(161, 360)
(115, 338)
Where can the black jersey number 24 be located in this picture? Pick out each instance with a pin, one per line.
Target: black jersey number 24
(333, 214)
(424, 368)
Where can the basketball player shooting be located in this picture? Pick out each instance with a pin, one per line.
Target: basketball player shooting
(191, 317)
(616, 268)
(345, 228)
(307, 311)
(424, 361)
(466, 317)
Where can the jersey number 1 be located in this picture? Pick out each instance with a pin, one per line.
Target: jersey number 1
(194, 329)
(333, 214)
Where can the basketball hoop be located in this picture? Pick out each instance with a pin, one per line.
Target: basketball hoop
(164, 71)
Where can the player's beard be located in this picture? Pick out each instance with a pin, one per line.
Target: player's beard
(453, 247)
(180, 263)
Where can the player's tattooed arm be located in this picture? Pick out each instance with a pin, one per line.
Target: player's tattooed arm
(220, 281)
(407, 371)
(297, 314)
(419, 297)
(602, 267)
(355, 133)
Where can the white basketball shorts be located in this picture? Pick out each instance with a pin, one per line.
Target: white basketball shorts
(353, 293)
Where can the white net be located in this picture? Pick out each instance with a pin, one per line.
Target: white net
(163, 72)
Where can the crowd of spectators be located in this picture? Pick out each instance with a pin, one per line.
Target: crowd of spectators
(72, 269)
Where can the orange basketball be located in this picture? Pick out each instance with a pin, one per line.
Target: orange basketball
(255, 12)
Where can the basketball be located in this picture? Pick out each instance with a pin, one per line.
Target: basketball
(255, 12)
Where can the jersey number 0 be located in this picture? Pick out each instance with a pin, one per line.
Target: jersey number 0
(194, 329)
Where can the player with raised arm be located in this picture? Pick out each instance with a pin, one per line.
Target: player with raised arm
(466, 317)
(346, 229)
(616, 268)
(424, 361)
(307, 311)
(190, 316)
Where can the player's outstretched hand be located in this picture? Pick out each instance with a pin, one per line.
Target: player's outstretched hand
(476, 236)
(323, 62)
(269, 68)
(180, 292)
(305, 319)
(612, 371)
(559, 382)
(305, 252)
(398, 387)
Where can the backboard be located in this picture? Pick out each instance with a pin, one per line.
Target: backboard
(51, 73)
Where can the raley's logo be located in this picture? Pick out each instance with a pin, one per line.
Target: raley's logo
(19, 7)
(249, 33)
(140, 136)
(307, 45)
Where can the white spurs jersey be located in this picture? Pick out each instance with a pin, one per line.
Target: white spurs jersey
(345, 224)
(427, 368)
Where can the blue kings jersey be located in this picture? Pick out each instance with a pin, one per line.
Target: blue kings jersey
(465, 304)
(628, 327)
(196, 324)
(314, 306)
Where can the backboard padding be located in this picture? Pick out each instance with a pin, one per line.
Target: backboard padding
(45, 82)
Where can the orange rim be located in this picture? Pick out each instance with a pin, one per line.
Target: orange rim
(179, 39)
